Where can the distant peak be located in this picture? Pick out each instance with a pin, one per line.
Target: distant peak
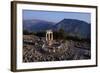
(71, 20)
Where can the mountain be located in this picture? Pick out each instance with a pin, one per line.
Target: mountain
(72, 27)
(75, 27)
(37, 25)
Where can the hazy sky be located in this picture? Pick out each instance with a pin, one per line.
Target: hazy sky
(53, 16)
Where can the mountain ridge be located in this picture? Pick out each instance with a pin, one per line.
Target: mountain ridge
(72, 26)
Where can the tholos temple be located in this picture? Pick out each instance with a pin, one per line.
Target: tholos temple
(49, 37)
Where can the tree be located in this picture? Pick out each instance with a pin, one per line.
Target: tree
(61, 33)
(25, 32)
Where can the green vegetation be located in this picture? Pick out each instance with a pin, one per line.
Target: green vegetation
(39, 34)
(25, 32)
(75, 38)
(59, 35)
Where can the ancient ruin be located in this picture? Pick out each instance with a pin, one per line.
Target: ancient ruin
(49, 37)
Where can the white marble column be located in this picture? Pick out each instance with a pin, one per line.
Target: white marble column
(49, 37)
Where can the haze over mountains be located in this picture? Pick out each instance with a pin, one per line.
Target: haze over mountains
(72, 27)
(37, 25)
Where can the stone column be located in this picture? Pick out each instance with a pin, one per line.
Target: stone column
(49, 37)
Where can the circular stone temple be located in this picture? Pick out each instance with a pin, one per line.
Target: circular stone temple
(49, 37)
